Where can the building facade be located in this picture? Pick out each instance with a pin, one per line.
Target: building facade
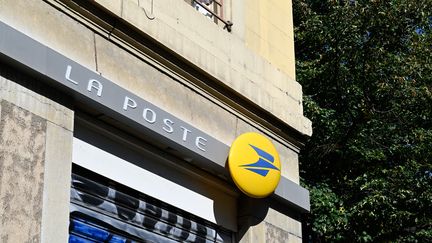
(118, 118)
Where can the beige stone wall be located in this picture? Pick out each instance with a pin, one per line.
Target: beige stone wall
(261, 222)
(257, 61)
(269, 233)
(270, 33)
(22, 155)
(35, 164)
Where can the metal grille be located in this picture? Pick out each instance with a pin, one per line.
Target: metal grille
(101, 213)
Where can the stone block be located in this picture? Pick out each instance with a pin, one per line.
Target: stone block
(57, 174)
(205, 27)
(189, 48)
(221, 69)
(167, 7)
(283, 10)
(253, 5)
(291, 60)
(236, 50)
(234, 76)
(290, 106)
(283, 81)
(297, 121)
(254, 42)
(278, 59)
(259, 68)
(289, 162)
(275, 92)
(51, 27)
(254, 234)
(251, 91)
(238, 17)
(268, 35)
(264, 98)
(166, 34)
(279, 78)
(22, 155)
(282, 4)
(211, 118)
(283, 222)
(281, 40)
(277, 235)
(287, 114)
(292, 87)
(250, 64)
(203, 53)
(307, 126)
(222, 42)
(253, 22)
(136, 16)
(295, 239)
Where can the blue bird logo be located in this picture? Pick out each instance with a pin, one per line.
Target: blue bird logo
(264, 163)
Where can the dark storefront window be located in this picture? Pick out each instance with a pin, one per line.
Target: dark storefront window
(103, 211)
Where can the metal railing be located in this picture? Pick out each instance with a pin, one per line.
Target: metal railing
(217, 12)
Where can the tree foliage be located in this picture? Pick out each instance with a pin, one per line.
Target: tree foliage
(366, 72)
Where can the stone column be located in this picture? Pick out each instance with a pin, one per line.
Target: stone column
(35, 162)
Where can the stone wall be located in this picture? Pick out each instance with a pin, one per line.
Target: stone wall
(269, 32)
(35, 163)
(22, 155)
(177, 26)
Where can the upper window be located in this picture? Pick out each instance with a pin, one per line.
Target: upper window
(207, 7)
(213, 9)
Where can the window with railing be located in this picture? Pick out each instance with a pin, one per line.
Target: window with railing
(213, 9)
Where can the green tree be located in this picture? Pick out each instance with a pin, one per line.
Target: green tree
(366, 71)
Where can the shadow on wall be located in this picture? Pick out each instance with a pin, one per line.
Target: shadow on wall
(253, 211)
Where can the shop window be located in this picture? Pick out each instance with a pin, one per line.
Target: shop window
(212, 9)
(125, 190)
(102, 210)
